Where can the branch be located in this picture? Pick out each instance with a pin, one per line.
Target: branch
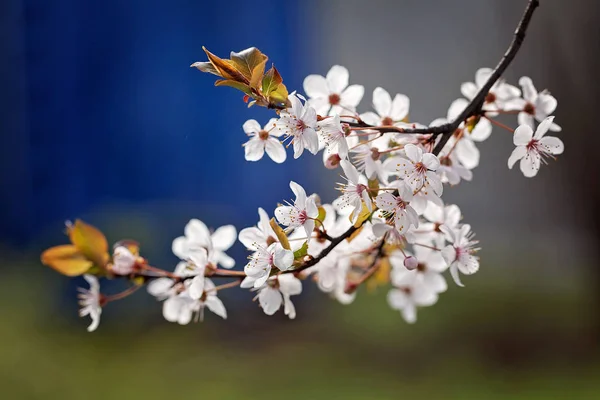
(474, 107)
(334, 242)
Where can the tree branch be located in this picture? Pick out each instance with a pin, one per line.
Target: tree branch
(474, 107)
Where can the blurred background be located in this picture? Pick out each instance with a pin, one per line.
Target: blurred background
(102, 119)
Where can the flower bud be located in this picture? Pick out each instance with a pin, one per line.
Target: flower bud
(123, 261)
(411, 263)
(333, 161)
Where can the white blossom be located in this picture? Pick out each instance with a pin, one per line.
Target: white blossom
(331, 94)
(417, 169)
(197, 237)
(263, 139)
(532, 148)
(123, 261)
(459, 255)
(333, 136)
(299, 123)
(399, 208)
(300, 214)
(262, 234)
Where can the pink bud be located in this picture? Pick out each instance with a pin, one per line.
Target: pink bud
(411, 263)
(332, 161)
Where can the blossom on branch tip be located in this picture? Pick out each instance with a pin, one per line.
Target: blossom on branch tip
(263, 140)
(331, 95)
(408, 293)
(532, 148)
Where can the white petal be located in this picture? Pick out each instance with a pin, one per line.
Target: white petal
(382, 102)
(224, 237)
(225, 261)
(468, 264)
(300, 193)
(553, 145)
(316, 86)
(275, 150)
(482, 75)
(467, 153)
(286, 215)
(283, 258)
(481, 131)
(414, 153)
(352, 95)
(197, 231)
(160, 287)
(337, 79)
(543, 127)
(455, 275)
(196, 288)
(448, 252)
(518, 153)
(386, 201)
(409, 313)
(529, 91)
(180, 247)
(350, 171)
(254, 149)
(251, 126)
(214, 304)
(311, 140)
(289, 284)
(431, 161)
(172, 308)
(456, 108)
(270, 300)
(397, 299)
(530, 164)
(400, 107)
(288, 307)
(469, 90)
(523, 135)
(251, 236)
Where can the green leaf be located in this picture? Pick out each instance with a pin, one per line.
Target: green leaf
(283, 239)
(302, 251)
(322, 214)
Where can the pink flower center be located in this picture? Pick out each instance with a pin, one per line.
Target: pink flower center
(334, 99)
(420, 168)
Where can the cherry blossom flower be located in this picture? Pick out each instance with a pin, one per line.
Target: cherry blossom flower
(262, 234)
(123, 261)
(197, 236)
(497, 97)
(265, 258)
(299, 122)
(534, 106)
(301, 214)
(277, 291)
(354, 192)
(398, 207)
(410, 293)
(532, 148)
(333, 135)
(331, 94)
(263, 139)
(389, 112)
(90, 301)
(418, 169)
(459, 255)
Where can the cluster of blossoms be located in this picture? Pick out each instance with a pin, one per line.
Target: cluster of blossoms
(389, 225)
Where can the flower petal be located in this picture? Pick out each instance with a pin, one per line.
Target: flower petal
(337, 79)
(518, 153)
(352, 95)
(254, 149)
(382, 102)
(275, 150)
(251, 127)
(553, 145)
(316, 86)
